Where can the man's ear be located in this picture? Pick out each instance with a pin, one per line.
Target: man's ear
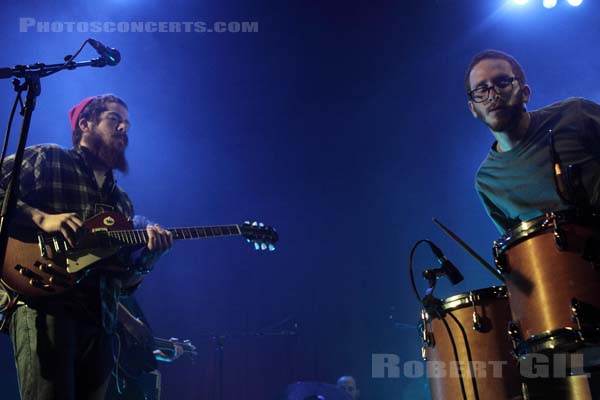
(84, 125)
(472, 108)
(526, 89)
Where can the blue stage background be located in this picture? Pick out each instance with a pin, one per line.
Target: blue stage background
(342, 124)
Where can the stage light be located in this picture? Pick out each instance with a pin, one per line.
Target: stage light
(520, 2)
(550, 3)
(575, 3)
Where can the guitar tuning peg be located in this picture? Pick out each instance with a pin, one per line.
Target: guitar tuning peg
(246, 222)
(261, 224)
(248, 240)
(263, 246)
(256, 246)
(271, 247)
(254, 223)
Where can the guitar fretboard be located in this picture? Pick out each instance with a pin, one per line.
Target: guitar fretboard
(140, 236)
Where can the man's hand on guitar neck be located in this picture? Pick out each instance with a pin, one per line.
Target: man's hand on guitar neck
(159, 240)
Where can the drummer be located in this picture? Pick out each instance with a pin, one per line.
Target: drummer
(541, 161)
(517, 180)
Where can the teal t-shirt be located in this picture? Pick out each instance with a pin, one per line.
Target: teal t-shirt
(519, 185)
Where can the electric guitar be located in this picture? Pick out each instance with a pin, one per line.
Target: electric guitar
(45, 265)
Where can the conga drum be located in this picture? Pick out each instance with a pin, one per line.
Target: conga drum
(551, 267)
(467, 349)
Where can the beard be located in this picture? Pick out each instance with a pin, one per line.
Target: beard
(111, 153)
(507, 118)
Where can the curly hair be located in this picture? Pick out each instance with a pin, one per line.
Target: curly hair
(92, 112)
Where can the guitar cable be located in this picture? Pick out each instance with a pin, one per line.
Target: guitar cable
(116, 360)
(433, 308)
(7, 309)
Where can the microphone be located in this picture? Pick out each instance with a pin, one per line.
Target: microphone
(109, 54)
(446, 265)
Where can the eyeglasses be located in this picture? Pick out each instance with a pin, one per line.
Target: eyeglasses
(500, 86)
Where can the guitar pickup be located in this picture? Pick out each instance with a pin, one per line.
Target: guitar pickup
(42, 244)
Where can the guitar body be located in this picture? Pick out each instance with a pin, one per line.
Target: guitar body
(46, 266)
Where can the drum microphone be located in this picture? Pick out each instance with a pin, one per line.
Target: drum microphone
(109, 54)
(446, 265)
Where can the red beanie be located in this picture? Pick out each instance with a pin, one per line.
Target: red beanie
(75, 112)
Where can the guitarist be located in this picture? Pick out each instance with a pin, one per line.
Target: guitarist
(62, 343)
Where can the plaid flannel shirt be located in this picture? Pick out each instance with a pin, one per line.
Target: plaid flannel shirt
(56, 180)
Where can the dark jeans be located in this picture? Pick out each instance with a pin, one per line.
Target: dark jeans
(59, 359)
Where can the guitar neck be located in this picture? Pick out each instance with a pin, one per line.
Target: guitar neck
(140, 236)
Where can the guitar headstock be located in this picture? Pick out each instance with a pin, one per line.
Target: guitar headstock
(263, 237)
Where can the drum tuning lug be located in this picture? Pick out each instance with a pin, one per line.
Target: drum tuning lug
(575, 311)
(591, 252)
(584, 314)
(499, 258)
(477, 326)
(560, 239)
(514, 332)
(426, 335)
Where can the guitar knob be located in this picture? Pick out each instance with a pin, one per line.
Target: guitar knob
(44, 267)
(58, 282)
(26, 272)
(35, 283)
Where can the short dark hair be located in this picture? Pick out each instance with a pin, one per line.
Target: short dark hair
(498, 55)
(92, 112)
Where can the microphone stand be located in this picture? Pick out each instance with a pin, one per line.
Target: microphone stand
(219, 341)
(31, 75)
